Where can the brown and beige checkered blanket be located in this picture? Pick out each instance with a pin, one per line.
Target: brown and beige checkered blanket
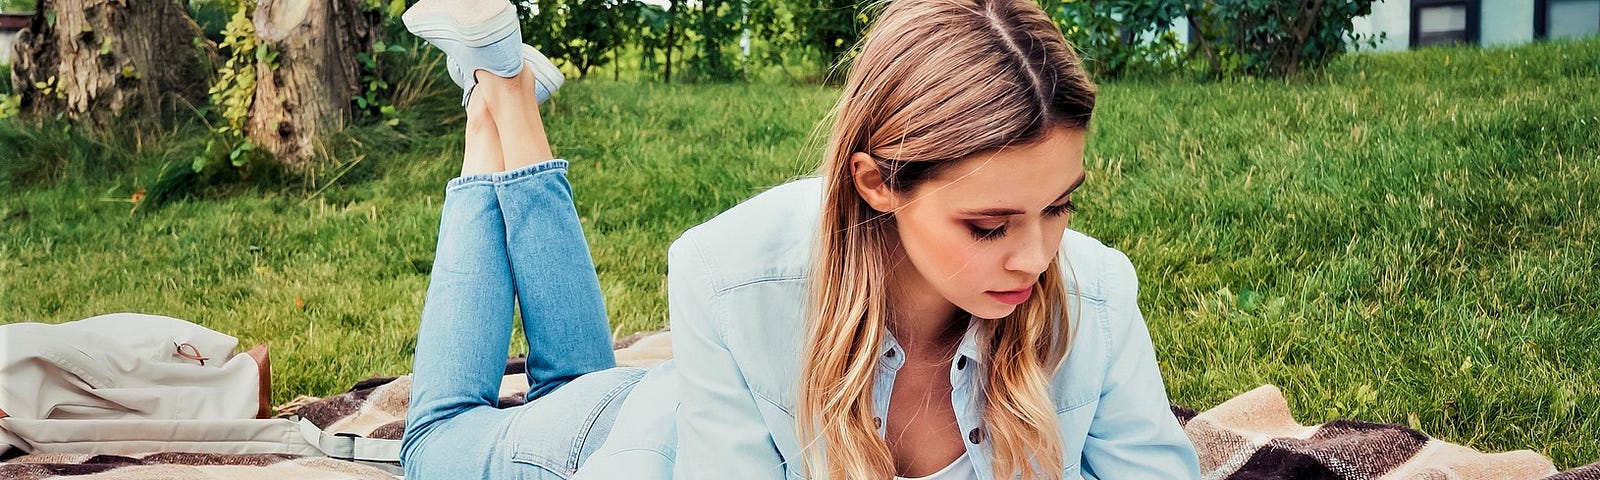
(187, 466)
(1250, 437)
(1254, 437)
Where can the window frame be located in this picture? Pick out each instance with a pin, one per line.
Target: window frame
(1474, 22)
(1541, 19)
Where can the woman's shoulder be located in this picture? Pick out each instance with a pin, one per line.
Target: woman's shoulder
(768, 236)
(1094, 271)
(742, 280)
(1103, 294)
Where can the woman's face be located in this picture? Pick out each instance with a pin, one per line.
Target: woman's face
(979, 234)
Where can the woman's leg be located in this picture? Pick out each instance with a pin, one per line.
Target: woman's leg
(517, 116)
(452, 426)
(483, 153)
(563, 312)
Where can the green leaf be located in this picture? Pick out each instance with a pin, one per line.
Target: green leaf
(240, 153)
(200, 161)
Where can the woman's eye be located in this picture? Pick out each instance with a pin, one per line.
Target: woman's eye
(981, 233)
(1062, 209)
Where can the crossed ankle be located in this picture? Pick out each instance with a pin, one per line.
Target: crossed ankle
(512, 99)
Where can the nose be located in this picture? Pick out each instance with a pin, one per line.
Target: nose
(1034, 251)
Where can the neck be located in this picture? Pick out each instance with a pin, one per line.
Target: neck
(921, 319)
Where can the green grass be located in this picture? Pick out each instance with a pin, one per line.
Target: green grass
(1406, 238)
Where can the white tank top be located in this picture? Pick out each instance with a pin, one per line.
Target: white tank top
(960, 469)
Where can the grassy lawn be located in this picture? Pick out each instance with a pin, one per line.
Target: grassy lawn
(1408, 238)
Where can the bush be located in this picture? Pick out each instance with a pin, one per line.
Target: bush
(212, 16)
(1120, 38)
(1271, 38)
(1276, 38)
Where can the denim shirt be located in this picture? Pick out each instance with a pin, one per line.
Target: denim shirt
(725, 406)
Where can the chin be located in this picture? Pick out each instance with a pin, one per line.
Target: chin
(993, 312)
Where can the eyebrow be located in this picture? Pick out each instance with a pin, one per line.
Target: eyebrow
(1002, 212)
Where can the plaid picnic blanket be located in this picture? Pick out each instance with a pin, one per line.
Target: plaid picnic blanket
(189, 466)
(1253, 436)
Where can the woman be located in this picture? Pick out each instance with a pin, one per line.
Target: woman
(919, 311)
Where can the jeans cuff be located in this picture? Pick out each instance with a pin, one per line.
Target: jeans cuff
(496, 178)
(468, 181)
(547, 166)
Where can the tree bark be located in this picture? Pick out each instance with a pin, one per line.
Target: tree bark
(1198, 37)
(100, 61)
(306, 88)
(676, 6)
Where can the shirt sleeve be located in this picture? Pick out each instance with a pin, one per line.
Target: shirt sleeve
(721, 433)
(1133, 434)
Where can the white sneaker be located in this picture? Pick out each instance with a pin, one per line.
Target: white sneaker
(546, 77)
(475, 34)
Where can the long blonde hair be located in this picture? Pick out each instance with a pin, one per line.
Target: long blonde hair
(936, 81)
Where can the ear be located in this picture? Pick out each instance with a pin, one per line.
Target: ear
(870, 183)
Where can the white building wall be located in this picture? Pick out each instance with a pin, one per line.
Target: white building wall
(1505, 22)
(1393, 17)
(1573, 18)
(7, 40)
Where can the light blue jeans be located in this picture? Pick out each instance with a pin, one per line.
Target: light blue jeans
(511, 237)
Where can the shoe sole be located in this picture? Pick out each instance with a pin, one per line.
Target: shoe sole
(430, 19)
(545, 72)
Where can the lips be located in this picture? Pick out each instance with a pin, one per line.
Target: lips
(1011, 297)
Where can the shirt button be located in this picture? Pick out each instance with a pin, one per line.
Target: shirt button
(877, 422)
(961, 363)
(975, 436)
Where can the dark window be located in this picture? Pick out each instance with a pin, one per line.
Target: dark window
(1444, 21)
(1554, 19)
(11, 22)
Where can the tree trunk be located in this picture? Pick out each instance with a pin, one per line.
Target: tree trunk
(672, 35)
(101, 61)
(1202, 43)
(304, 88)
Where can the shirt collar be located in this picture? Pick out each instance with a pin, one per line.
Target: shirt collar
(968, 347)
(969, 340)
